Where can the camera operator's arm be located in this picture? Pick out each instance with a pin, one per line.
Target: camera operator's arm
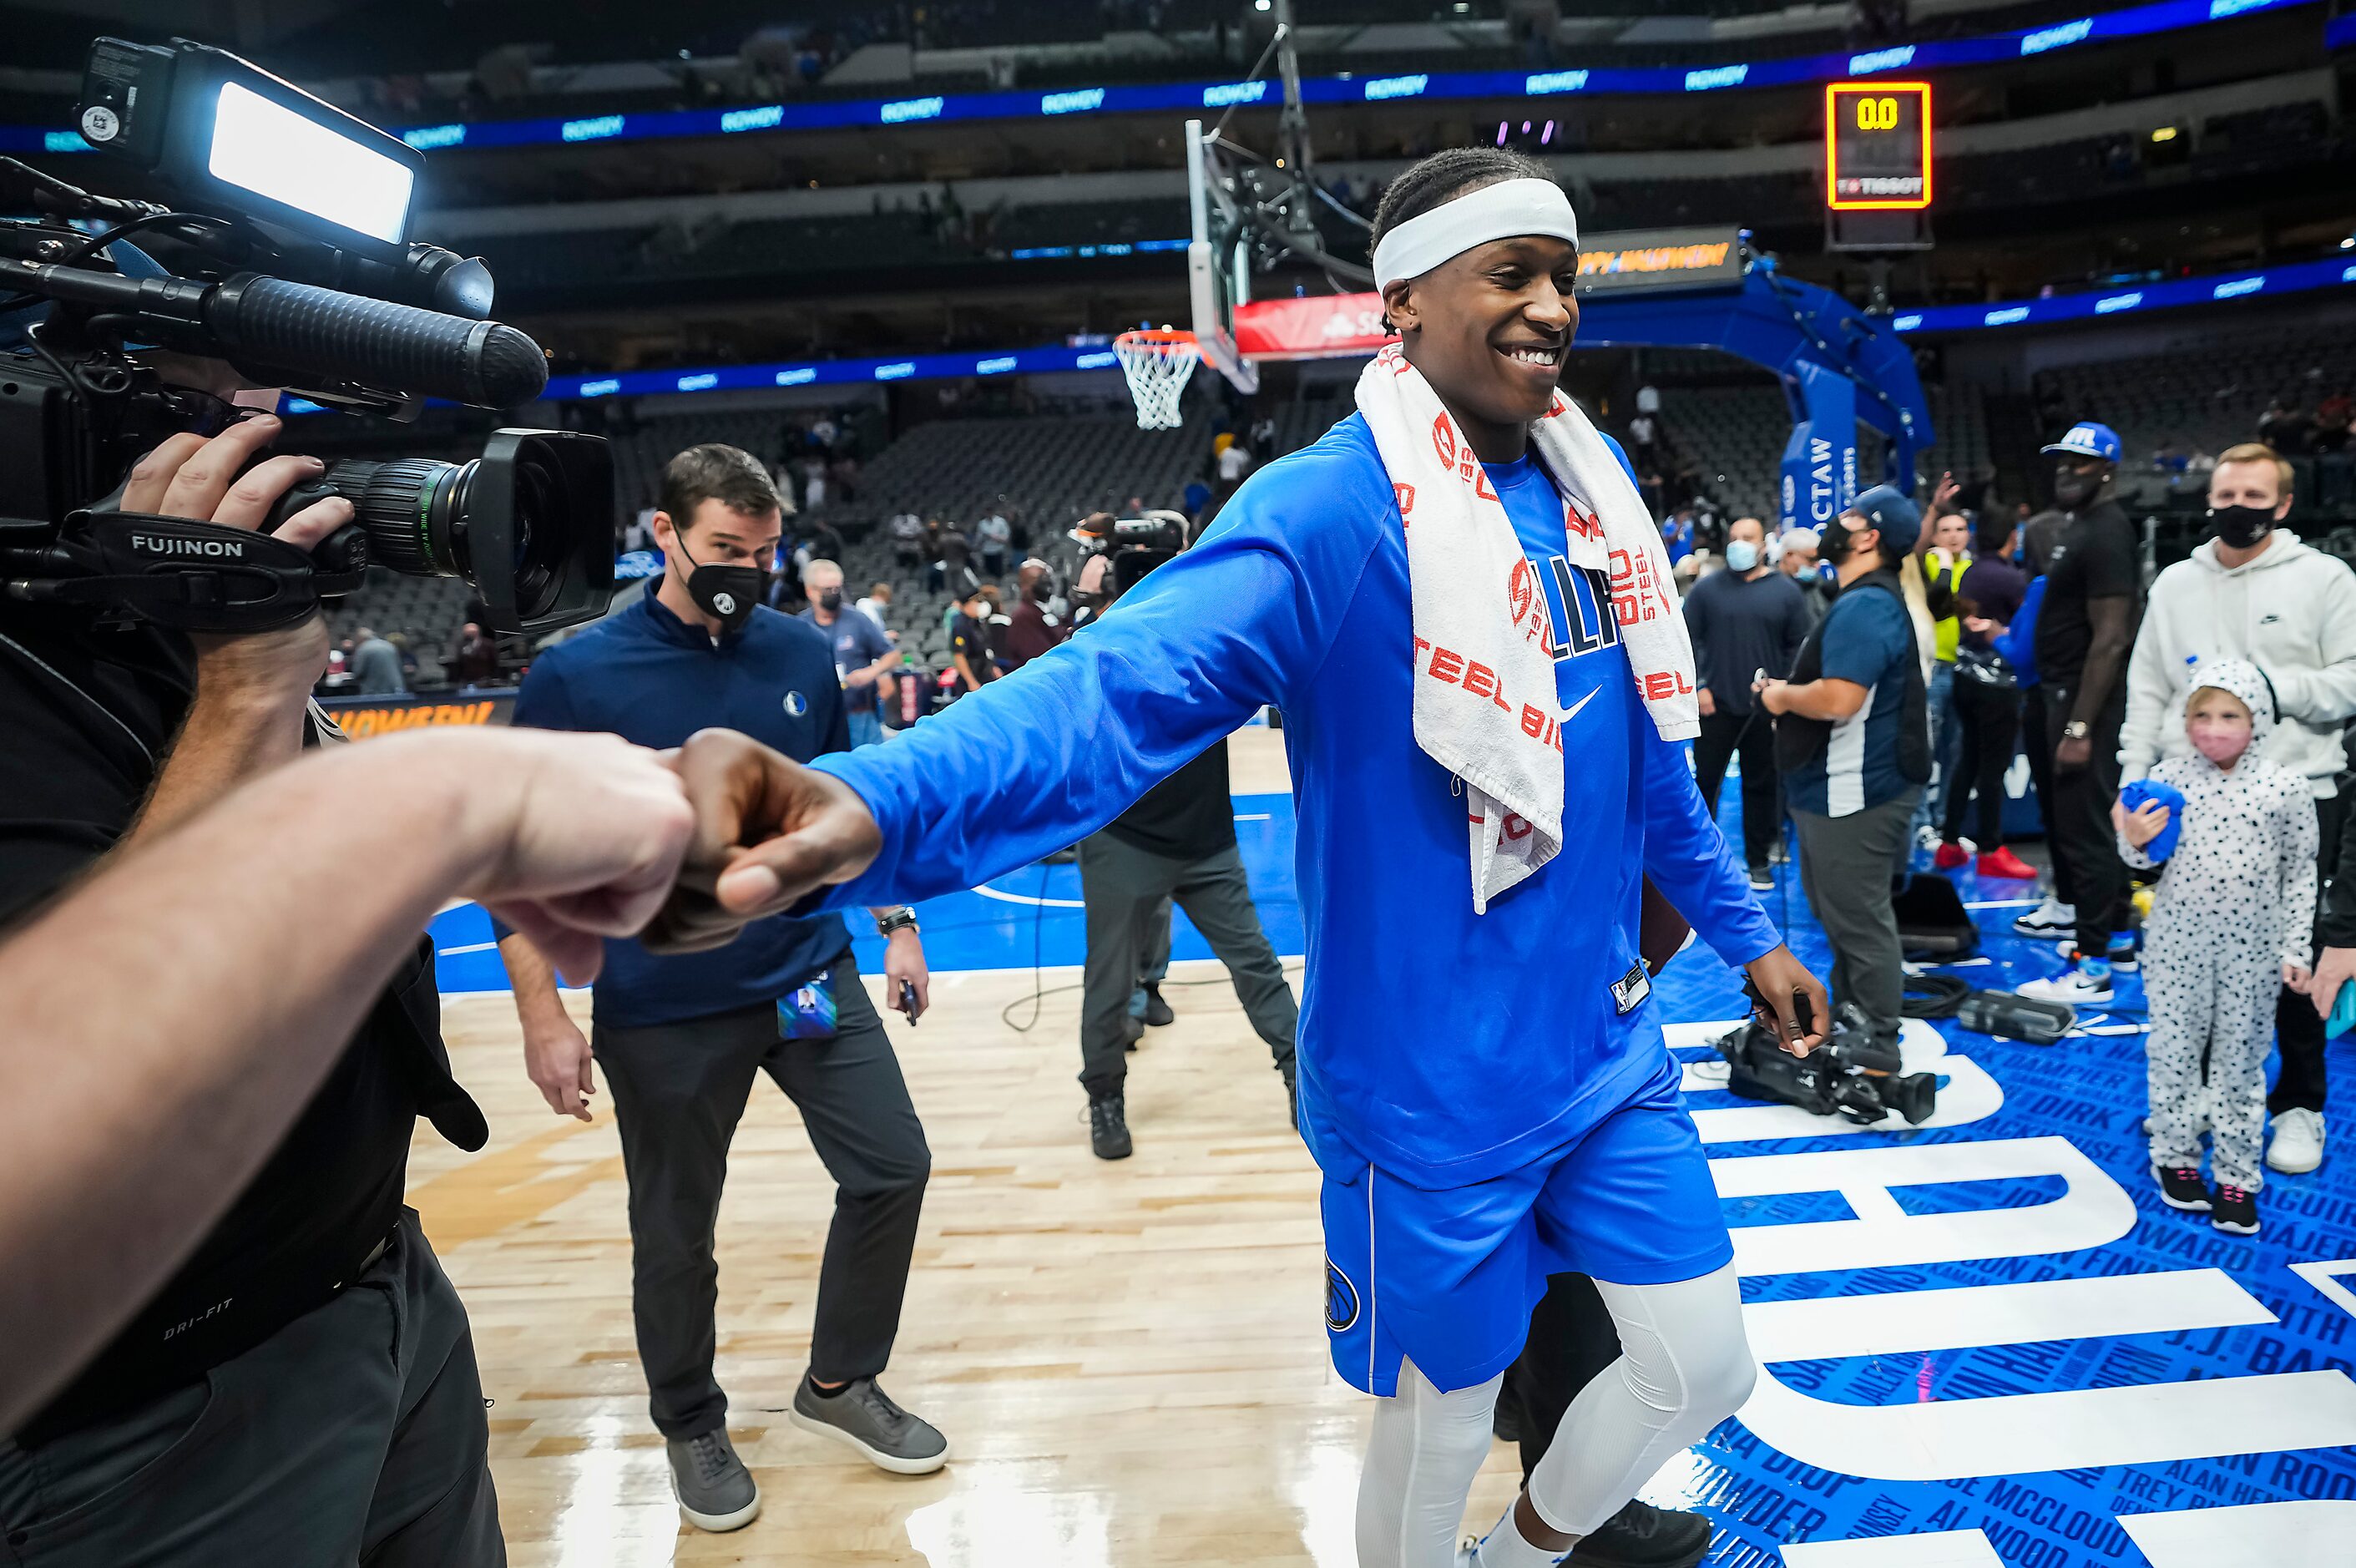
(201, 962)
(251, 691)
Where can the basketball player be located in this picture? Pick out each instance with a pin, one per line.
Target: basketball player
(1479, 1078)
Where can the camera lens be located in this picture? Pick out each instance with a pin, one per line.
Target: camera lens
(420, 514)
(529, 525)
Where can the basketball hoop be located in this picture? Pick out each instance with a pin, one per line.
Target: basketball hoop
(1157, 361)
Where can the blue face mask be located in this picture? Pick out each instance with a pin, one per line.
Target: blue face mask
(1742, 554)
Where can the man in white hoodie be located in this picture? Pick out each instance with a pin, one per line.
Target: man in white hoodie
(2255, 592)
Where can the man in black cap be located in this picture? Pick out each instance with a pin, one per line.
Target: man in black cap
(1853, 745)
(2094, 596)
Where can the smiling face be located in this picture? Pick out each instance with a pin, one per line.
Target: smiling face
(1489, 329)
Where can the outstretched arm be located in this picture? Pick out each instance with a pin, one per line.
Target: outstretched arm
(1056, 749)
(1067, 742)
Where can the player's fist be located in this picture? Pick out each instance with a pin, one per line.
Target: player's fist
(767, 831)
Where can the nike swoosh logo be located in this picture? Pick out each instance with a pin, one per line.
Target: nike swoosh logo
(1573, 712)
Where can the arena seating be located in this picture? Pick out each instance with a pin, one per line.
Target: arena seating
(2201, 395)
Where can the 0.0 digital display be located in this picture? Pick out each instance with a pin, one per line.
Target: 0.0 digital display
(1878, 145)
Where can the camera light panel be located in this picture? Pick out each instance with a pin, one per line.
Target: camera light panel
(263, 146)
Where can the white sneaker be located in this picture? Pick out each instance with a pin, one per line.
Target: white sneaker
(2050, 918)
(2297, 1145)
(2075, 986)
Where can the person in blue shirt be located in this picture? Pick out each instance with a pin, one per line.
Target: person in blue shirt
(1488, 1095)
(1852, 738)
(863, 654)
(682, 1037)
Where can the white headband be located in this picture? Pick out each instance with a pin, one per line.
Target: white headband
(1501, 211)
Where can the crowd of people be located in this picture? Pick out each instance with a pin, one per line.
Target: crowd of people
(2184, 735)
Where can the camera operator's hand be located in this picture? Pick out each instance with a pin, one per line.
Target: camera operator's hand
(1776, 975)
(205, 479)
(767, 831)
(247, 718)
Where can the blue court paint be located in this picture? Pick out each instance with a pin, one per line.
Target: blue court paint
(1992, 1337)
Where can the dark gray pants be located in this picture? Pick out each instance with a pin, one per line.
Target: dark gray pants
(679, 1090)
(355, 1435)
(1845, 866)
(1121, 885)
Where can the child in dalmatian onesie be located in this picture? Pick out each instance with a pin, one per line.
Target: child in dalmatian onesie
(2228, 928)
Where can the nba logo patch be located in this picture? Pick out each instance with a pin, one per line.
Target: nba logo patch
(796, 704)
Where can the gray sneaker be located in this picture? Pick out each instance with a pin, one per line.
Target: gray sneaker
(864, 1416)
(716, 1491)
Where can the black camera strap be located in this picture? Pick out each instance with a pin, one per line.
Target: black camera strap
(207, 577)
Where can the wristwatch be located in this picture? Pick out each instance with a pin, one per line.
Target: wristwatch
(2076, 729)
(900, 920)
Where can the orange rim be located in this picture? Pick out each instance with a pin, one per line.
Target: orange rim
(1155, 340)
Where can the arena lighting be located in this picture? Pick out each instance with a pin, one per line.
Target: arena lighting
(2165, 133)
(2085, 305)
(755, 120)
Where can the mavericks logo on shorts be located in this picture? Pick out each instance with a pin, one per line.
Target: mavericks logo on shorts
(1341, 1300)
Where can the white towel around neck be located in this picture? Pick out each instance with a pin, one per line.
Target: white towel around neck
(1485, 701)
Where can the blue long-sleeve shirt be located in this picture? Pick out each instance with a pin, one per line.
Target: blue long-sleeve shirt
(1444, 1046)
(2019, 643)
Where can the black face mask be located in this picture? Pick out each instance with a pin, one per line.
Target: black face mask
(2073, 489)
(830, 600)
(2241, 526)
(726, 594)
(1835, 542)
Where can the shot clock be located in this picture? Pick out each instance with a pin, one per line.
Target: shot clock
(1878, 147)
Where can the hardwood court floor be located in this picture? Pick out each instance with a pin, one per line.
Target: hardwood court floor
(1129, 1358)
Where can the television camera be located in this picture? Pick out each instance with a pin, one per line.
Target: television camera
(1847, 1075)
(280, 249)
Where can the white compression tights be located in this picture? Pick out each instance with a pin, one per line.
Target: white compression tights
(1684, 1367)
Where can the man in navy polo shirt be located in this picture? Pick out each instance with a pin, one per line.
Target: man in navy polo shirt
(1852, 737)
(681, 1039)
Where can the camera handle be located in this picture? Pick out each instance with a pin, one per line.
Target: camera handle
(203, 577)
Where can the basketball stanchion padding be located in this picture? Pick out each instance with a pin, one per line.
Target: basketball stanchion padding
(1157, 361)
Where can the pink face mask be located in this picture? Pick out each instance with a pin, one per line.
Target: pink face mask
(2222, 744)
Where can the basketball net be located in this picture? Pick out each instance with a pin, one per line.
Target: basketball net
(1157, 362)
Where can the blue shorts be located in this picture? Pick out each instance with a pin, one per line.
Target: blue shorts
(1451, 1276)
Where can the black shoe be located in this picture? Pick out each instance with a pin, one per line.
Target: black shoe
(1642, 1536)
(2235, 1209)
(2180, 1187)
(1131, 1031)
(1109, 1127)
(1157, 1011)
